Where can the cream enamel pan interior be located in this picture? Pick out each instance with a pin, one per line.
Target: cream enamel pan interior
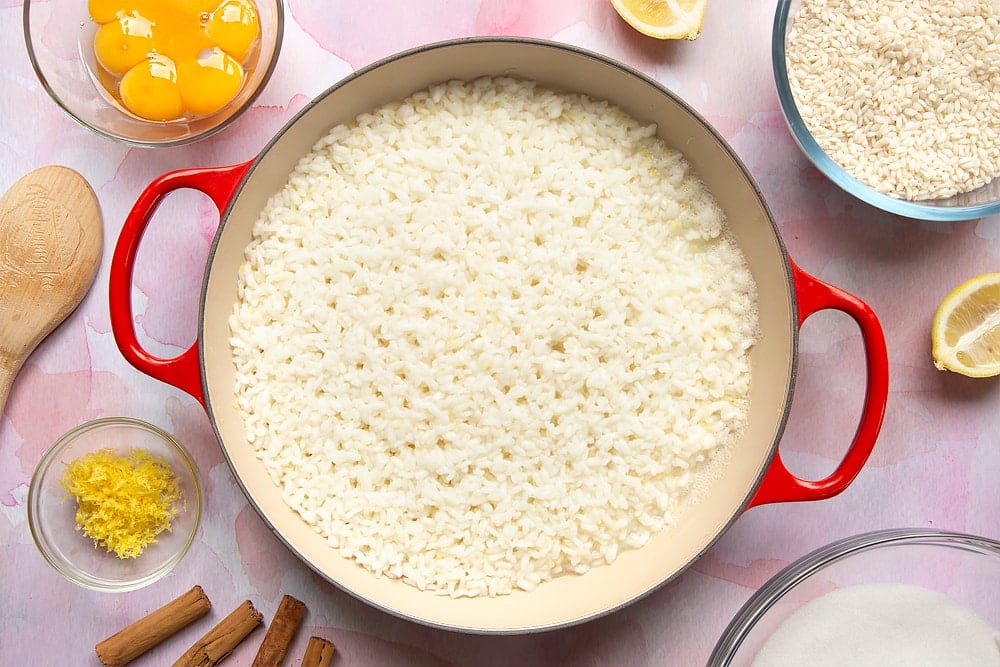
(568, 599)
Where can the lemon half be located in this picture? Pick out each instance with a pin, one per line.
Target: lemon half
(663, 19)
(965, 332)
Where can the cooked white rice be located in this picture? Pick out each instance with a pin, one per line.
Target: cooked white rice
(903, 94)
(490, 334)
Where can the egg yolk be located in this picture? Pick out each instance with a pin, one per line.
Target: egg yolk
(123, 43)
(209, 83)
(234, 26)
(150, 89)
(172, 59)
(105, 11)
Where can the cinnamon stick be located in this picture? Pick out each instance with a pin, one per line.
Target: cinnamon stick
(280, 633)
(132, 641)
(319, 653)
(221, 640)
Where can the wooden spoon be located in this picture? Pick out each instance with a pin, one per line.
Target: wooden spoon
(50, 247)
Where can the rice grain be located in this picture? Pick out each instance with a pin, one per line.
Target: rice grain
(903, 94)
(490, 334)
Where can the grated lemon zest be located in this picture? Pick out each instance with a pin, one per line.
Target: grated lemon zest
(123, 502)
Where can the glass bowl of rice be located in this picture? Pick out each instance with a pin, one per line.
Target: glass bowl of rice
(889, 597)
(115, 504)
(897, 103)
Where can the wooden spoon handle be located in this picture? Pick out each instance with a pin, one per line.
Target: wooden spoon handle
(6, 380)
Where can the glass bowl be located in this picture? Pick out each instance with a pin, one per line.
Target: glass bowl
(59, 36)
(965, 568)
(52, 510)
(978, 203)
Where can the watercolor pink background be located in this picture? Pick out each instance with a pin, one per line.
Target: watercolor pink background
(935, 465)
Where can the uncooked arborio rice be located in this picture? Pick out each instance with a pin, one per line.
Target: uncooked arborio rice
(490, 334)
(903, 94)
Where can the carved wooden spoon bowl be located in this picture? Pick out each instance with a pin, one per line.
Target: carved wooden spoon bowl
(50, 247)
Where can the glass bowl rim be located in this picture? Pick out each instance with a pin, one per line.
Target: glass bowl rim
(825, 164)
(279, 25)
(68, 569)
(790, 576)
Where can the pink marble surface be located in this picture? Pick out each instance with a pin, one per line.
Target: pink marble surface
(935, 465)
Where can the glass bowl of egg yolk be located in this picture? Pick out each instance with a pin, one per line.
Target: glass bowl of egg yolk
(154, 72)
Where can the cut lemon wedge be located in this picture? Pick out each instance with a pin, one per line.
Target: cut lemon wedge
(663, 19)
(965, 332)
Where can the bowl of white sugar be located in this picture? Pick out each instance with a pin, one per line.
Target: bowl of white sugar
(890, 597)
(896, 101)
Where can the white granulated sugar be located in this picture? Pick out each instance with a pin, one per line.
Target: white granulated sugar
(490, 334)
(903, 94)
(882, 625)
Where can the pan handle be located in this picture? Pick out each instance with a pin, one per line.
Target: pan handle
(778, 484)
(182, 371)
